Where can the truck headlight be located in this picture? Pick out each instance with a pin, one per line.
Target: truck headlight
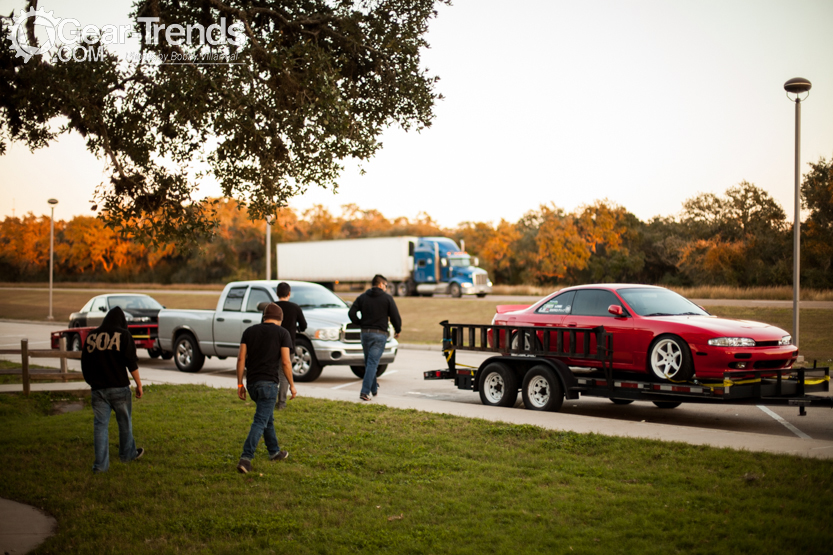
(732, 342)
(328, 334)
(786, 340)
(467, 285)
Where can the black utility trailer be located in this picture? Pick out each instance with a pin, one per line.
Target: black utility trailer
(532, 359)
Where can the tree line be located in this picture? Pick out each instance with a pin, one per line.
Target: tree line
(740, 238)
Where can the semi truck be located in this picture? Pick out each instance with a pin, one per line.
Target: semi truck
(412, 265)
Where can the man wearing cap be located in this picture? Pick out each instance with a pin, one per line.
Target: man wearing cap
(264, 353)
(375, 307)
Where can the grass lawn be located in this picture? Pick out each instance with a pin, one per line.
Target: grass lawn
(366, 478)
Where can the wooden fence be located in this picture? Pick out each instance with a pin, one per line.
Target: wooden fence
(62, 353)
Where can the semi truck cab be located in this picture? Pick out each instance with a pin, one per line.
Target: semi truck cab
(440, 266)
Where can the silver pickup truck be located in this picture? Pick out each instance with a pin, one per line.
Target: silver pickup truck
(330, 338)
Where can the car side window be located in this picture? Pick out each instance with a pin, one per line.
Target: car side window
(257, 296)
(561, 304)
(234, 299)
(594, 302)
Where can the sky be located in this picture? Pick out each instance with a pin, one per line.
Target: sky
(644, 103)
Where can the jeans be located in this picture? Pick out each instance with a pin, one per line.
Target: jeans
(104, 401)
(265, 395)
(373, 345)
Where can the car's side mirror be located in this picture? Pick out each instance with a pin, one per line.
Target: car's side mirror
(616, 310)
(102, 309)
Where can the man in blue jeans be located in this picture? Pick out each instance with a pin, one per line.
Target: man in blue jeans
(264, 352)
(371, 312)
(109, 353)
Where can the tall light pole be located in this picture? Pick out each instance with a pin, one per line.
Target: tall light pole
(269, 219)
(53, 202)
(797, 86)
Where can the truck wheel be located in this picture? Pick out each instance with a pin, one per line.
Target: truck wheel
(498, 386)
(359, 370)
(542, 390)
(305, 367)
(670, 359)
(188, 356)
(75, 342)
(403, 289)
(167, 355)
(156, 352)
(667, 404)
(455, 290)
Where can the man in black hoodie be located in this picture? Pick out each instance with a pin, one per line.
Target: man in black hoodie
(375, 307)
(108, 355)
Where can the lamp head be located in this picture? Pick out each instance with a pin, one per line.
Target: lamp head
(797, 85)
(52, 201)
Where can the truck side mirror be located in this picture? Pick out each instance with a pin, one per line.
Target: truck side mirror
(410, 248)
(476, 261)
(616, 310)
(443, 262)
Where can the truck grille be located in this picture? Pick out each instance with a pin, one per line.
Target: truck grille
(352, 333)
(480, 279)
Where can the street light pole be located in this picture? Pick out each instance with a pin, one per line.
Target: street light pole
(269, 220)
(53, 202)
(797, 86)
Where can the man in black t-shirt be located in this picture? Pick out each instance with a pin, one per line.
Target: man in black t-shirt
(264, 352)
(109, 353)
(293, 319)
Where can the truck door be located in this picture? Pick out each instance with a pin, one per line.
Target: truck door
(228, 323)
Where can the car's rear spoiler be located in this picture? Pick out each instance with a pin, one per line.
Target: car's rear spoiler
(502, 308)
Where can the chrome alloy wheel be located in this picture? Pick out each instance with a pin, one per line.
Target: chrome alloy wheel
(184, 353)
(539, 391)
(666, 358)
(494, 387)
(302, 361)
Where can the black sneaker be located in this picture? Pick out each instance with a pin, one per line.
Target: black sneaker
(279, 456)
(139, 452)
(364, 397)
(244, 466)
(375, 393)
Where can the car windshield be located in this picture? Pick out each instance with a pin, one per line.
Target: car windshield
(461, 261)
(659, 302)
(133, 301)
(311, 296)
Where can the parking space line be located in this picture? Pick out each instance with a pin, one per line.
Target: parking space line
(786, 424)
(346, 384)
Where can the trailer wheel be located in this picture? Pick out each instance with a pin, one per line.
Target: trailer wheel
(75, 342)
(188, 356)
(305, 367)
(542, 390)
(455, 290)
(359, 370)
(498, 386)
(403, 289)
(622, 401)
(667, 404)
(670, 359)
(167, 355)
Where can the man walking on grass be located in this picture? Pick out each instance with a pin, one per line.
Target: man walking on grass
(108, 355)
(264, 353)
(375, 306)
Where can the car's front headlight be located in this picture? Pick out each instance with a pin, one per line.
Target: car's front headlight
(732, 342)
(141, 319)
(328, 334)
(786, 340)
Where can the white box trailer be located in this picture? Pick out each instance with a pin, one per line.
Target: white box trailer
(347, 260)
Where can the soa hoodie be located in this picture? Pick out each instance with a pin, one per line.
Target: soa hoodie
(109, 353)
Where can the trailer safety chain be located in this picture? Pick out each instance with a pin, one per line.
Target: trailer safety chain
(448, 358)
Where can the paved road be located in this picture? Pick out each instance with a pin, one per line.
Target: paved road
(404, 380)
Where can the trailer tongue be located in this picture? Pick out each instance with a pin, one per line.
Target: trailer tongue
(532, 359)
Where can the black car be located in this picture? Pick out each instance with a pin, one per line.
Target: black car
(138, 309)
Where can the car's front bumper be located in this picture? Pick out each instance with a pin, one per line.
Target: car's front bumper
(332, 353)
(712, 362)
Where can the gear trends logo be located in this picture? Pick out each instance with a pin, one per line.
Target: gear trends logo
(20, 39)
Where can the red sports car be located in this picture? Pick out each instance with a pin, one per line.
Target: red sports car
(657, 331)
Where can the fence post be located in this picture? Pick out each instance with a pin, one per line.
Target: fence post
(24, 363)
(62, 345)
